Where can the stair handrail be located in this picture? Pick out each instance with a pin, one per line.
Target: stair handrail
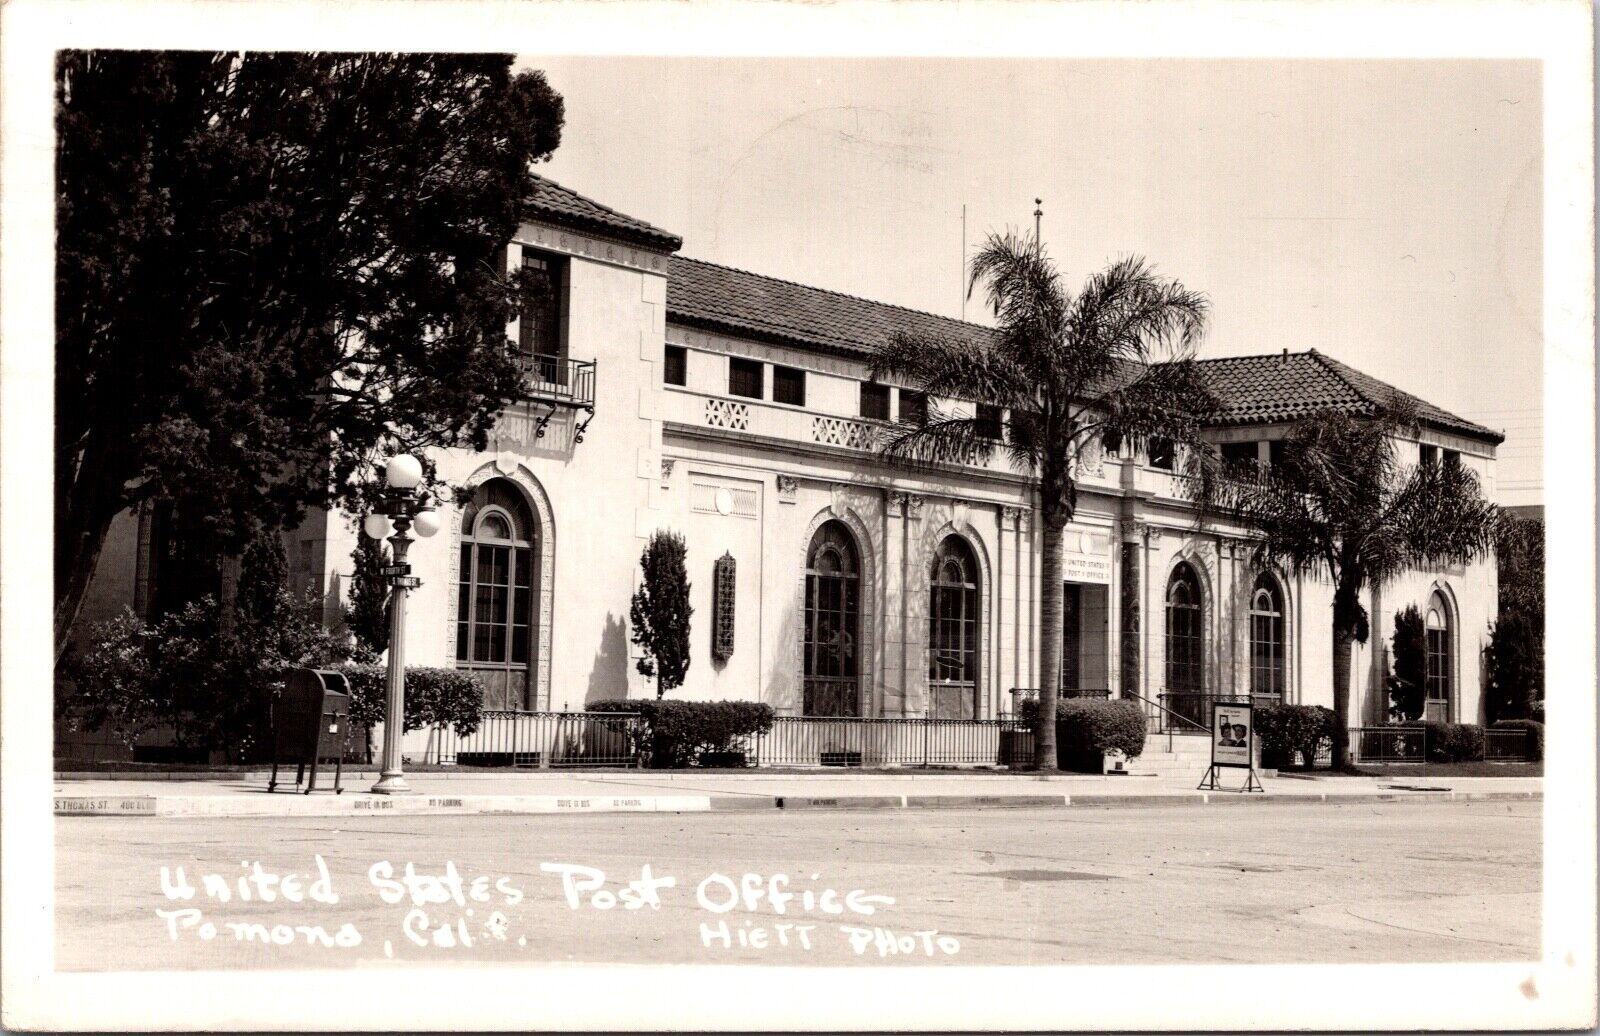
(1174, 715)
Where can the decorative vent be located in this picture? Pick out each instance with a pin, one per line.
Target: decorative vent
(725, 413)
(722, 608)
(836, 431)
(739, 501)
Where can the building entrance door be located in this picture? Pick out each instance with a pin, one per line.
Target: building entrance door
(1084, 650)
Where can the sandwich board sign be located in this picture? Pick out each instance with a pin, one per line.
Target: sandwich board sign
(1233, 744)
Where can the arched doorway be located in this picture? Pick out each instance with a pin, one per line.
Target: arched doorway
(953, 631)
(832, 633)
(495, 630)
(1267, 666)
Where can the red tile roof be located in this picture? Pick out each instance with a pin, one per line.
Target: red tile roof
(722, 298)
(1285, 386)
(1251, 389)
(566, 207)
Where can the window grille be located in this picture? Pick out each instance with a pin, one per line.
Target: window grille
(722, 608)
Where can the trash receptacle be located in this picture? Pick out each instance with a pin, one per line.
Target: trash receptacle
(309, 723)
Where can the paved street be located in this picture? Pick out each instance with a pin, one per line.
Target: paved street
(1274, 882)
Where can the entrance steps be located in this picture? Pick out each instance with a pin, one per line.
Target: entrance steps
(1181, 755)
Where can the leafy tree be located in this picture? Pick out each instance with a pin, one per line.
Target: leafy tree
(660, 612)
(1515, 661)
(263, 572)
(1072, 370)
(1515, 656)
(1342, 505)
(271, 268)
(1407, 683)
(368, 613)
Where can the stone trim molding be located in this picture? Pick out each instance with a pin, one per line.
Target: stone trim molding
(543, 627)
(870, 597)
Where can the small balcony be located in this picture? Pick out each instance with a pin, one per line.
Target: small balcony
(557, 382)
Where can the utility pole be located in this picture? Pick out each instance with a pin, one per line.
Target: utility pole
(963, 262)
(1038, 216)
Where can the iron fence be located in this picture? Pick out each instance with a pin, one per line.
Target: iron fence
(540, 739)
(809, 741)
(564, 739)
(1391, 744)
(1505, 745)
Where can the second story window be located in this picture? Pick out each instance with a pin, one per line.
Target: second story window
(1162, 454)
(1428, 454)
(1452, 460)
(539, 332)
(675, 369)
(988, 421)
(1237, 454)
(745, 378)
(874, 401)
(913, 407)
(788, 386)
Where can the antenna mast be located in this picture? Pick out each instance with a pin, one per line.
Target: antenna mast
(963, 262)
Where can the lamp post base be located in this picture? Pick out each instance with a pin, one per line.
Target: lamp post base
(391, 784)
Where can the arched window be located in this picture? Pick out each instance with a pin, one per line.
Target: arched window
(494, 602)
(833, 624)
(1440, 691)
(1266, 640)
(953, 632)
(1183, 632)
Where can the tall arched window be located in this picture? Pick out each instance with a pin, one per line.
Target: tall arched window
(832, 684)
(1266, 639)
(1439, 688)
(494, 598)
(1183, 631)
(953, 632)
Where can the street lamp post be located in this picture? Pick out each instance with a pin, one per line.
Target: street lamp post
(402, 509)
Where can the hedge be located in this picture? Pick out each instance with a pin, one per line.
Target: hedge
(1088, 728)
(684, 733)
(1454, 742)
(1284, 730)
(1535, 732)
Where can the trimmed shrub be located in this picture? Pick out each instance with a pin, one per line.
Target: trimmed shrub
(676, 734)
(1454, 742)
(1088, 728)
(1284, 730)
(1535, 733)
(434, 697)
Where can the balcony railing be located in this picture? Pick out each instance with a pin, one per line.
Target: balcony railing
(556, 382)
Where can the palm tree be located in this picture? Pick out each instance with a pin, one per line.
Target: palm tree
(1071, 369)
(1341, 503)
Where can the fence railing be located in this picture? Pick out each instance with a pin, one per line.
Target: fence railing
(540, 739)
(1391, 744)
(1503, 745)
(564, 739)
(808, 741)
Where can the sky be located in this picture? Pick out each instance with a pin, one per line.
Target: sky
(1385, 212)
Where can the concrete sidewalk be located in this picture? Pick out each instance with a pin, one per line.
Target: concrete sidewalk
(542, 792)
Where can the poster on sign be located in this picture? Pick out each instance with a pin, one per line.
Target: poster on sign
(1233, 736)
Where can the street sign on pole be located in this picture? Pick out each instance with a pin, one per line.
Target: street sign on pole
(396, 570)
(405, 582)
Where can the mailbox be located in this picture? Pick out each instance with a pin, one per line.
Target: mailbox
(309, 724)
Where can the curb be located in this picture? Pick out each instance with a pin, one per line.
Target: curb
(531, 805)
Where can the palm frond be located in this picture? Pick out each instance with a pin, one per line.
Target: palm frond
(942, 439)
(953, 367)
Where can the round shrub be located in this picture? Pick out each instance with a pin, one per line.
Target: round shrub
(1088, 728)
(1284, 730)
(1535, 732)
(684, 733)
(1454, 742)
(434, 697)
